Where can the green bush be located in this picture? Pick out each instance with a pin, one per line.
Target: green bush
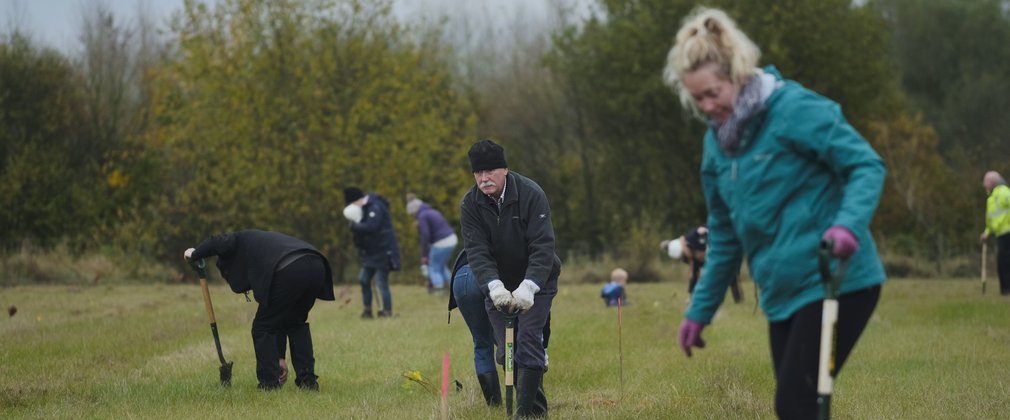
(31, 265)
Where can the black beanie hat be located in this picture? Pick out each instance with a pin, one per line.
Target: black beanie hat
(352, 194)
(486, 154)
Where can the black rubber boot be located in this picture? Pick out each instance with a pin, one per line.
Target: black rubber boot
(269, 387)
(268, 370)
(531, 401)
(302, 357)
(490, 388)
(308, 383)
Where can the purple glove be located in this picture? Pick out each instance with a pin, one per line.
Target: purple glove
(690, 335)
(845, 244)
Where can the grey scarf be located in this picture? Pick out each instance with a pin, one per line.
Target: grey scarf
(748, 104)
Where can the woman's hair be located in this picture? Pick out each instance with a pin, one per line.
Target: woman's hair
(709, 36)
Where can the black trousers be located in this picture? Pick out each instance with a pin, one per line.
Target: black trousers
(796, 346)
(1003, 263)
(293, 292)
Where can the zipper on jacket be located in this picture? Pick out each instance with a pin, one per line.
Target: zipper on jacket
(732, 175)
(497, 213)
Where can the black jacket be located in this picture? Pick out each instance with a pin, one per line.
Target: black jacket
(374, 235)
(247, 260)
(514, 243)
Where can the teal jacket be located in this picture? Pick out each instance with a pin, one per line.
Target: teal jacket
(800, 168)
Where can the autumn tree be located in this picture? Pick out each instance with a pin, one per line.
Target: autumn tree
(270, 108)
(917, 214)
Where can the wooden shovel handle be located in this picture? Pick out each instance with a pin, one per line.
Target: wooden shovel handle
(206, 300)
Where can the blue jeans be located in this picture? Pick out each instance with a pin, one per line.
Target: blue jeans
(438, 268)
(470, 300)
(365, 278)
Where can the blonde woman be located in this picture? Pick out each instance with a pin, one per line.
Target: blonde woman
(782, 170)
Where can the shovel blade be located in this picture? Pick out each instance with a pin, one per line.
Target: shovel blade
(226, 374)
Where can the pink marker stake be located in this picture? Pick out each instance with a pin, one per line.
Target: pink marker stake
(445, 386)
(620, 346)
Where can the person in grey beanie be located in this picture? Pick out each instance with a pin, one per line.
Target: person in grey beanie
(438, 240)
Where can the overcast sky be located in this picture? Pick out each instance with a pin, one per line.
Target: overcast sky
(57, 23)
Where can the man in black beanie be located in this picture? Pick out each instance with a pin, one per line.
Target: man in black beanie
(509, 242)
(376, 242)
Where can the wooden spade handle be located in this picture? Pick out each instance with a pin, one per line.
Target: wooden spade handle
(206, 300)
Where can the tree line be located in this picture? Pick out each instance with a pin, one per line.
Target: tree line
(254, 113)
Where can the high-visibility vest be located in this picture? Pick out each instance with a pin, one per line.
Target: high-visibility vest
(997, 211)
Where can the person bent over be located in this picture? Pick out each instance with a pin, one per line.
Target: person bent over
(438, 240)
(286, 276)
(690, 248)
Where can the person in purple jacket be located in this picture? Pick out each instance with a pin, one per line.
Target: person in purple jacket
(438, 241)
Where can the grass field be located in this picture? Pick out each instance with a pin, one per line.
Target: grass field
(934, 350)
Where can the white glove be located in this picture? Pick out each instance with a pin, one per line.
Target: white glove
(424, 270)
(353, 213)
(189, 253)
(524, 295)
(500, 296)
(675, 249)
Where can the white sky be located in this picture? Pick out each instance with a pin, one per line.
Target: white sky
(57, 23)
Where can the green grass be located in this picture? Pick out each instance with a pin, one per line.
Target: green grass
(934, 349)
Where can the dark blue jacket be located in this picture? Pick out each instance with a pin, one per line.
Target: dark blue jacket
(374, 235)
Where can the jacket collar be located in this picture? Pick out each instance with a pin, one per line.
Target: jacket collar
(756, 123)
